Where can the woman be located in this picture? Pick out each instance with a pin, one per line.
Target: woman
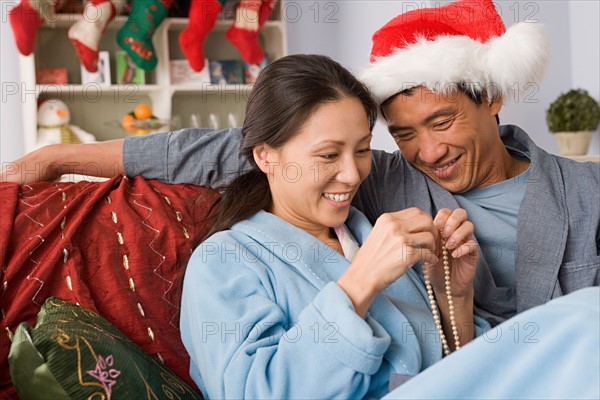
(280, 302)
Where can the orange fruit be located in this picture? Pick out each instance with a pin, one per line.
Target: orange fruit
(127, 122)
(143, 111)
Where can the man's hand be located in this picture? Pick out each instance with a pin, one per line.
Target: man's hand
(457, 232)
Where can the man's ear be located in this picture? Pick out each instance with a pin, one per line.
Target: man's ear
(496, 105)
(263, 155)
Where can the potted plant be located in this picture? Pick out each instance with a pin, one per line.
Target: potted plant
(573, 117)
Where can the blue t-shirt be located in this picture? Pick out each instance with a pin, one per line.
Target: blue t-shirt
(496, 208)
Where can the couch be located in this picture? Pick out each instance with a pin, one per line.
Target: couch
(118, 248)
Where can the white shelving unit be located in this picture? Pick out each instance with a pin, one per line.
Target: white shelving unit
(98, 110)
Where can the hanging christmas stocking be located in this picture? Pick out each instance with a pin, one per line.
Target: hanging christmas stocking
(251, 15)
(135, 37)
(26, 18)
(202, 18)
(85, 34)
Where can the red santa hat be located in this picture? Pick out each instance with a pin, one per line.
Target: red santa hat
(463, 42)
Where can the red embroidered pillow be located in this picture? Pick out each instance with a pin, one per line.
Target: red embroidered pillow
(118, 248)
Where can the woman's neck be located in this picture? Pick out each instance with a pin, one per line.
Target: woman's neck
(323, 233)
(326, 236)
(332, 241)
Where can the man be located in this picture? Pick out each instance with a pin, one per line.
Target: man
(440, 75)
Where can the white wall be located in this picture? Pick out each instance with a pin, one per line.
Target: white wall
(11, 139)
(585, 54)
(573, 30)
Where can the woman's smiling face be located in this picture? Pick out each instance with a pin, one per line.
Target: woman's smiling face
(314, 175)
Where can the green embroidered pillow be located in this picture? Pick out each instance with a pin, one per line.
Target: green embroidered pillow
(74, 353)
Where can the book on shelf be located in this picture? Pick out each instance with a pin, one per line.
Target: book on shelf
(52, 76)
(127, 71)
(226, 72)
(102, 76)
(251, 71)
(181, 73)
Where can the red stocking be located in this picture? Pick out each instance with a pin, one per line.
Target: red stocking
(203, 15)
(135, 37)
(85, 34)
(251, 15)
(26, 18)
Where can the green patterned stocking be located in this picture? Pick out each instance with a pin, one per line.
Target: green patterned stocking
(135, 37)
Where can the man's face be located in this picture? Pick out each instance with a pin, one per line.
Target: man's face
(449, 138)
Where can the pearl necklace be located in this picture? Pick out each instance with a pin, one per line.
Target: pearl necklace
(434, 308)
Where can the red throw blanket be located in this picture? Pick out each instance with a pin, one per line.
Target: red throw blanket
(118, 247)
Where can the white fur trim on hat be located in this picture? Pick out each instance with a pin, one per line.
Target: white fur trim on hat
(498, 67)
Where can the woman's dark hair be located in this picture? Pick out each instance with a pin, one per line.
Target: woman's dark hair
(284, 97)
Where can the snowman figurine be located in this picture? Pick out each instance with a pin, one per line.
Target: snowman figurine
(53, 118)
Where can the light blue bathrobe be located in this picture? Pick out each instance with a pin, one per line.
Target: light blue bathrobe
(551, 351)
(262, 317)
